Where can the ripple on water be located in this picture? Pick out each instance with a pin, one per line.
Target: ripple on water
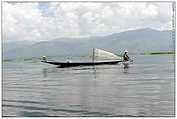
(146, 88)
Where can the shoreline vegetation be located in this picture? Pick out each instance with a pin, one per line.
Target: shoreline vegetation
(35, 59)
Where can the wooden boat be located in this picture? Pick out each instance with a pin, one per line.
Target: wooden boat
(72, 64)
(96, 53)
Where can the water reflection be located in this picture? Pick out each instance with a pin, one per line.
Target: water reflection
(47, 71)
(143, 89)
(126, 67)
(44, 72)
(96, 71)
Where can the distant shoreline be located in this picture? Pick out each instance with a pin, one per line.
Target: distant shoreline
(35, 59)
(157, 53)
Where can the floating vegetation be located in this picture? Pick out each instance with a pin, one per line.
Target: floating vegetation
(22, 60)
(8, 60)
(159, 53)
(28, 59)
(144, 53)
(85, 56)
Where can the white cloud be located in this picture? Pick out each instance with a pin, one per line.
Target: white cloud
(28, 21)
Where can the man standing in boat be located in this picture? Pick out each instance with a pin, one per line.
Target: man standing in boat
(125, 56)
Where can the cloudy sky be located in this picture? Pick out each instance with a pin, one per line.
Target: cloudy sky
(50, 20)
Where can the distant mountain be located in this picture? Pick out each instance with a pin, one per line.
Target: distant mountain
(135, 41)
(16, 44)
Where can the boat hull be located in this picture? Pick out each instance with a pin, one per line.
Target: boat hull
(73, 64)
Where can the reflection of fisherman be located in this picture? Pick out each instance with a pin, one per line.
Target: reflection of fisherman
(125, 56)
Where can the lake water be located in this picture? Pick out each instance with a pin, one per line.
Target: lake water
(145, 88)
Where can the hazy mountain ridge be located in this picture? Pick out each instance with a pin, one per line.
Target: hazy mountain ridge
(136, 41)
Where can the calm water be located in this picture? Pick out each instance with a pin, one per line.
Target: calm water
(146, 88)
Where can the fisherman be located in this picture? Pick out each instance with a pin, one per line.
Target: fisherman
(68, 60)
(125, 56)
(44, 58)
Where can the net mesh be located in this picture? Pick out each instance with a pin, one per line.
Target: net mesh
(101, 54)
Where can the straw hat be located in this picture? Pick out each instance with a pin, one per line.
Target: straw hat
(126, 51)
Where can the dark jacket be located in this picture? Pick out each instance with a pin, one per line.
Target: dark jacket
(126, 57)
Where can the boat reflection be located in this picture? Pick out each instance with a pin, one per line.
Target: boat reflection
(46, 71)
(96, 72)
